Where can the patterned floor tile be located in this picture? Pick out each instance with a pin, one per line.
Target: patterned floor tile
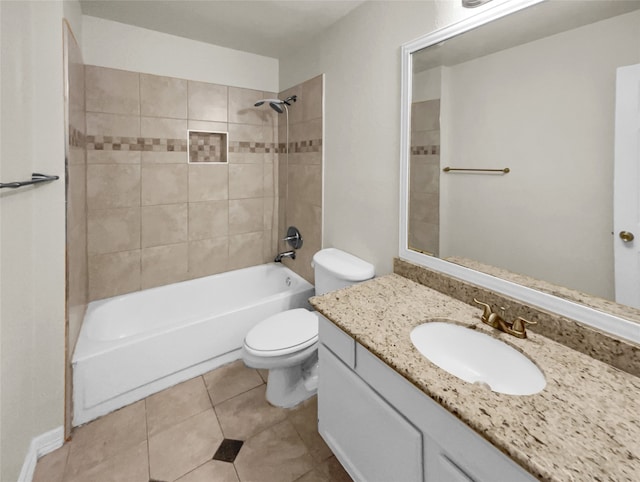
(104, 438)
(131, 465)
(305, 420)
(174, 435)
(176, 404)
(328, 471)
(231, 380)
(247, 414)
(184, 446)
(212, 471)
(50, 468)
(275, 455)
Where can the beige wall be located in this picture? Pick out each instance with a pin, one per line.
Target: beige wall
(76, 226)
(426, 85)
(551, 217)
(300, 178)
(109, 44)
(360, 56)
(32, 255)
(73, 15)
(153, 217)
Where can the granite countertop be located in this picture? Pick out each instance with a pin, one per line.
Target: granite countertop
(583, 426)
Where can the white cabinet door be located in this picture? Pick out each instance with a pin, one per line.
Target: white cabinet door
(453, 452)
(372, 441)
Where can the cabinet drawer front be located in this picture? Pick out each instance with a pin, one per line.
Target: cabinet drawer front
(368, 436)
(337, 341)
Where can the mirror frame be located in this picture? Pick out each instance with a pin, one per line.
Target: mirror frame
(600, 320)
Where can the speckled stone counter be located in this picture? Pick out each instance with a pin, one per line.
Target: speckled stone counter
(605, 347)
(583, 426)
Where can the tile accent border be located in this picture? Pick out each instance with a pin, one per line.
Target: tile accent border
(158, 144)
(425, 150)
(297, 147)
(570, 333)
(154, 144)
(252, 147)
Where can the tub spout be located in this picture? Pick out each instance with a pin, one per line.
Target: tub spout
(286, 254)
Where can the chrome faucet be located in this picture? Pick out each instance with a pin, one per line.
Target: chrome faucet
(287, 254)
(494, 320)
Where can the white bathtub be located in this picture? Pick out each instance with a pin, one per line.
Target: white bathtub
(133, 345)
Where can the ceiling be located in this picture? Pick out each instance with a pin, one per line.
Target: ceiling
(264, 27)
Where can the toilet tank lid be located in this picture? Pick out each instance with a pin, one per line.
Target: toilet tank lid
(343, 265)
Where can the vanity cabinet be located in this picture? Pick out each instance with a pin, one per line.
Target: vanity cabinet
(382, 428)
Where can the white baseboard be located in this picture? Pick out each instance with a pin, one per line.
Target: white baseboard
(39, 446)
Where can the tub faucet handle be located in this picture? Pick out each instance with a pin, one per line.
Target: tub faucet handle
(293, 237)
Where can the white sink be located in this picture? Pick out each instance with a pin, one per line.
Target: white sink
(476, 357)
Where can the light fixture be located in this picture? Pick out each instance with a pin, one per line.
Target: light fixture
(473, 3)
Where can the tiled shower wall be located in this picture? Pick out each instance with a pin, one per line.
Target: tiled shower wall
(300, 180)
(424, 188)
(155, 219)
(76, 198)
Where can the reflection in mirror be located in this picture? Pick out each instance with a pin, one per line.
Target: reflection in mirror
(539, 98)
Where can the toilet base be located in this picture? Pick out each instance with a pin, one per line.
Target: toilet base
(292, 378)
(290, 386)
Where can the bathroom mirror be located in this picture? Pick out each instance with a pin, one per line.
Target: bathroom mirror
(528, 87)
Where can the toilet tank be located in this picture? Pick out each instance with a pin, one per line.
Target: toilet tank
(335, 269)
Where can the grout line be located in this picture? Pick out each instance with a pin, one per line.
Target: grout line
(146, 423)
(241, 393)
(209, 395)
(236, 469)
(195, 468)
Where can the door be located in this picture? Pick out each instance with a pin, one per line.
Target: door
(626, 198)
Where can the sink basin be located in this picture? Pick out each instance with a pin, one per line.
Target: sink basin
(476, 357)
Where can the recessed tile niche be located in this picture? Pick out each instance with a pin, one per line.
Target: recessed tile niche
(207, 147)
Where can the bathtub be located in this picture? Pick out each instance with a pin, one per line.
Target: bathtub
(134, 345)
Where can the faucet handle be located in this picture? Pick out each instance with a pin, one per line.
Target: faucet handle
(486, 310)
(520, 323)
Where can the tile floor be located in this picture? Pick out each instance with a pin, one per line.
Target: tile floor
(176, 435)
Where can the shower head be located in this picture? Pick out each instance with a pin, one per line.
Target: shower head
(277, 104)
(262, 101)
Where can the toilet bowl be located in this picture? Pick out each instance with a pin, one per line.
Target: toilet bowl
(287, 343)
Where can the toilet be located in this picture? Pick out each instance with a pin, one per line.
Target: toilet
(287, 343)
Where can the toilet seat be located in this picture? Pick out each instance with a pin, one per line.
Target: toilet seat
(283, 333)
